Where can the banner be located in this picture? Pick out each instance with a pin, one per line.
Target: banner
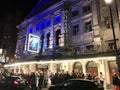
(33, 43)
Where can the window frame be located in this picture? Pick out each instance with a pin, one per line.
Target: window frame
(88, 26)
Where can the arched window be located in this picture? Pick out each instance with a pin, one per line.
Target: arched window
(58, 37)
(42, 42)
(77, 67)
(91, 67)
(91, 64)
(48, 39)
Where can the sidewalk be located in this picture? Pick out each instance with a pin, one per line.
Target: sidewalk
(108, 87)
(44, 89)
(47, 89)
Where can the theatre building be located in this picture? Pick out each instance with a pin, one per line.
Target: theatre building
(67, 35)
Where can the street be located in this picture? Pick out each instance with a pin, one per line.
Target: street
(45, 89)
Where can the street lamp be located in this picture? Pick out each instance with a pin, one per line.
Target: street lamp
(109, 2)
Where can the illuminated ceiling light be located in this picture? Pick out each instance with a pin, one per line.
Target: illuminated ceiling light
(108, 2)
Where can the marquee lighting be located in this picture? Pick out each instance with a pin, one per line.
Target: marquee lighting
(20, 63)
(59, 61)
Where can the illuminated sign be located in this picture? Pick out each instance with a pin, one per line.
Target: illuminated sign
(33, 43)
(1, 51)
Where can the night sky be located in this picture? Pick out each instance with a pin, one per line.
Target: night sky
(8, 8)
(21, 5)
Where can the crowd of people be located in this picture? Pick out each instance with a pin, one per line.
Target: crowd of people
(38, 79)
(41, 79)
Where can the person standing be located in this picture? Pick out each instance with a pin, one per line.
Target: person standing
(115, 81)
(101, 78)
(41, 80)
(37, 79)
(33, 81)
(88, 76)
(45, 80)
(119, 82)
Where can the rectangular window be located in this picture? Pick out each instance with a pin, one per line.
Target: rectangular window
(88, 26)
(89, 48)
(86, 9)
(57, 19)
(48, 23)
(74, 13)
(37, 27)
(31, 30)
(107, 22)
(42, 25)
(111, 46)
(75, 29)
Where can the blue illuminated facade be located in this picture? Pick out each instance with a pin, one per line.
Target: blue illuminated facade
(46, 25)
(78, 27)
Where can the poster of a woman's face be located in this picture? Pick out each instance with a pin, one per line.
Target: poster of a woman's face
(33, 43)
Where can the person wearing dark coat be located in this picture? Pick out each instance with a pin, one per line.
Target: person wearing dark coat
(33, 81)
(41, 81)
(115, 81)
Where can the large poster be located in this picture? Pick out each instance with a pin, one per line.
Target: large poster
(33, 43)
